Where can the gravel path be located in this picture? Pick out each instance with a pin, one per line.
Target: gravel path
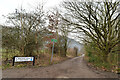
(72, 68)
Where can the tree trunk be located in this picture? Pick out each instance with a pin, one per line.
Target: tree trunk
(23, 52)
(65, 48)
(76, 51)
(105, 57)
(65, 51)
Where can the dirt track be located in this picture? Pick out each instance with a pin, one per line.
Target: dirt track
(72, 68)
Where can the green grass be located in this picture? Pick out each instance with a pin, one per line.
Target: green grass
(10, 55)
(8, 65)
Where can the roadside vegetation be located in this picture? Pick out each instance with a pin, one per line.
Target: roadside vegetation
(41, 59)
(96, 24)
(30, 36)
(12, 47)
(95, 59)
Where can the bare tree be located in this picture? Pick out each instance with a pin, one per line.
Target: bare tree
(62, 28)
(76, 51)
(97, 20)
(29, 27)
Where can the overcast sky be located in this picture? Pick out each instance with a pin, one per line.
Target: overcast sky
(9, 6)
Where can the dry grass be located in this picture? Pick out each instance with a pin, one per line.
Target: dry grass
(45, 59)
(41, 59)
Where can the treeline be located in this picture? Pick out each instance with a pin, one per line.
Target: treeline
(97, 24)
(31, 32)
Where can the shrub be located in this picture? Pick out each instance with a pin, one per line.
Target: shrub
(95, 56)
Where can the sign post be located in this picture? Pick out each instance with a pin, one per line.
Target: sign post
(53, 40)
(52, 51)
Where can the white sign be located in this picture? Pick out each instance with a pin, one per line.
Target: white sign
(22, 59)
